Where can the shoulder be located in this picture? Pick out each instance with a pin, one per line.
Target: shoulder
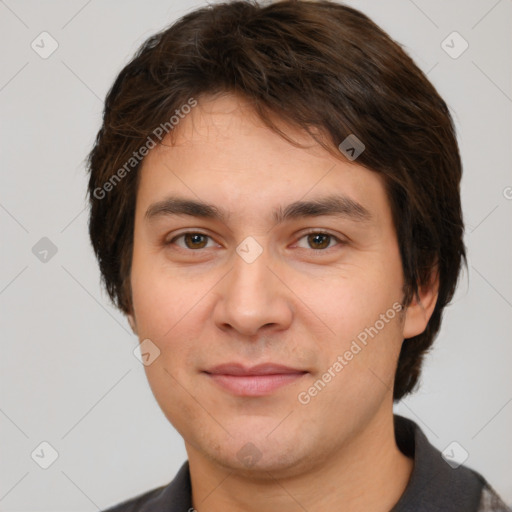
(140, 503)
(437, 484)
(173, 497)
(491, 502)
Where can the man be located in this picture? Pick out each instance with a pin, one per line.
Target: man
(275, 207)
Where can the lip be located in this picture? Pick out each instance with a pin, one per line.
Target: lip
(259, 380)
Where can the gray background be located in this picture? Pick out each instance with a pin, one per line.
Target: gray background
(68, 373)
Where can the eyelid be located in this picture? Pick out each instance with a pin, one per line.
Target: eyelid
(167, 241)
(320, 231)
(340, 240)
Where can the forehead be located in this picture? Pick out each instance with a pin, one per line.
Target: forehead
(223, 155)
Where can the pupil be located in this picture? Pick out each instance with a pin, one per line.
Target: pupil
(314, 240)
(196, 238)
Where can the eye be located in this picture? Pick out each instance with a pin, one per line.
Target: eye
(318, 240)
(192, 240)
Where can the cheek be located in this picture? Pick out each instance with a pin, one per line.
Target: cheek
(362, 313)
(351, 300)
(166, 307)
(160, 298)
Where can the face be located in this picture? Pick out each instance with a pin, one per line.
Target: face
(277, 321)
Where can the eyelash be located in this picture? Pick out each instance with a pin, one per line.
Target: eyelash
(313, 232)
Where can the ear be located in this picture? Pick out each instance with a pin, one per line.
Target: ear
(131, 321)
(418, 312)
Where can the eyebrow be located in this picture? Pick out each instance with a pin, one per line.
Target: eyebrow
(334, 205)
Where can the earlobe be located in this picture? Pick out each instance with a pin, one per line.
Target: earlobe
(418, 312)
(131, 321)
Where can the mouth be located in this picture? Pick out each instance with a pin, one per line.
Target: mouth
(259, 380)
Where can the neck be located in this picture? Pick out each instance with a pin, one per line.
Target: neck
(369, 473)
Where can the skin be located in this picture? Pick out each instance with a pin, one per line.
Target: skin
(300, 303)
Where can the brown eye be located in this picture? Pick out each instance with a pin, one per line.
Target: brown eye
(319, 240)
(195, 240)
(191, 240)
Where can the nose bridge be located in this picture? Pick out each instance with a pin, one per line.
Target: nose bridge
(252, 295)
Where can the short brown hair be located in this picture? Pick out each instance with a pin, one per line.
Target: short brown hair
(323, 67)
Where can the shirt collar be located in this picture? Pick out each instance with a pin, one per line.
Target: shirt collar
(433, 485)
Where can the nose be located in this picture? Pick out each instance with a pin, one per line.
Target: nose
(253, 296)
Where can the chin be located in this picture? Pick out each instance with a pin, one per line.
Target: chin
(261, 456)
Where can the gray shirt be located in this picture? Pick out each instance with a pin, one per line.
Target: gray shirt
(434, 485)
